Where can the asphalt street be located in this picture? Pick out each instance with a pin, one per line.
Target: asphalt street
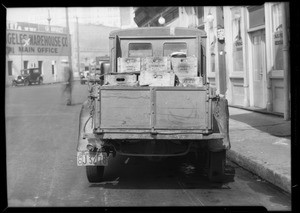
(41, 137)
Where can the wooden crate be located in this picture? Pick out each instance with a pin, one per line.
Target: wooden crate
(157, 78)
(129, 65)
(191, 81)
(155, 63)
(121, 79)
(185, 67)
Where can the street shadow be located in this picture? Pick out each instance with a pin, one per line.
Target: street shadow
(265, 123)
(170, 173)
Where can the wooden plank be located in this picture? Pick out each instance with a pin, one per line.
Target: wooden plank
(129, 65)
(121, 79)
(181, 109)
(157, 78)
(191, 81)
(125, 109)
(155, 63)
(185, 67)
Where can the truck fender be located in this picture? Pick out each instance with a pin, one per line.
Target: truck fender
(84, 115)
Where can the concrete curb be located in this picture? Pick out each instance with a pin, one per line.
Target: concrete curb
(262, 171)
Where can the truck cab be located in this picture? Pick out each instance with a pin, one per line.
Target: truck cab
(155, 103)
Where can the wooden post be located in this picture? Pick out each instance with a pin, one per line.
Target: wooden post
(78, 50)
(286, 62)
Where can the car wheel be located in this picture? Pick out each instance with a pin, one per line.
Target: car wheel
(94, 173)
(26, 82)
(40, 81)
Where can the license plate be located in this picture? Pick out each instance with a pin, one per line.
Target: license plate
(87, 159)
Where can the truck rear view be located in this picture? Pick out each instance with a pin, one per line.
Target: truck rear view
(155, 103)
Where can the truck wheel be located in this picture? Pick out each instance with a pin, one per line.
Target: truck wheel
(94, 173)
(216, 167)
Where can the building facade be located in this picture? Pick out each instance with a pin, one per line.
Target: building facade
(89, 31)
(245, 50)
(31, 45)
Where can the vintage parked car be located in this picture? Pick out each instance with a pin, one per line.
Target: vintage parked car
(28, 76)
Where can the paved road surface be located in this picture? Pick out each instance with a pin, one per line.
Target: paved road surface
(42, 170)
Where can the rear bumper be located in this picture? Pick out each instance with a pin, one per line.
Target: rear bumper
(154, 136)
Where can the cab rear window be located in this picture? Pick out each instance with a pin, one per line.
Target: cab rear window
(170, 48)
(140, 50)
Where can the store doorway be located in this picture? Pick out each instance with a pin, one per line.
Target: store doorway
(258, 67)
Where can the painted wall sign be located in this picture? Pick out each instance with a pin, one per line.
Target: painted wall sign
(36, 43)
(221, 34)
(278, 38)
(24, 26)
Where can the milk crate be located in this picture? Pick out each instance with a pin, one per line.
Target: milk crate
(155, 63)
(191, 81)
(157, 78)
(185, 67)
(129, 65)
(121, 80)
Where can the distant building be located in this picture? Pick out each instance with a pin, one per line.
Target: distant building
(32, 45)
(89, 38)
(93, 42)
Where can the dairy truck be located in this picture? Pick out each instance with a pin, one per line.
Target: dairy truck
(155, 103)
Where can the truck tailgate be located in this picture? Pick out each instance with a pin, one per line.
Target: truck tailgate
(153, 108)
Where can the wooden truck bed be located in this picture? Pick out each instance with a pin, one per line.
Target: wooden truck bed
(153, 109)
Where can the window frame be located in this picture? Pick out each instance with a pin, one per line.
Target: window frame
(233, 11)
(140, 43)
(174, 43)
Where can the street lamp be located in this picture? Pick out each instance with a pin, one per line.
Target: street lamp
(161, 20)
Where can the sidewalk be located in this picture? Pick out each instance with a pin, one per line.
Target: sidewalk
(261, 143)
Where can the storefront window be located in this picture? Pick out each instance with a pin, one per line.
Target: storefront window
(277, 37)
(237, 39)
(9, 67)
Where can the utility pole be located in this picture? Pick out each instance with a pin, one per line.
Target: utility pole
(49, 20)
(69, 40)
(286, 61)
(78, 50)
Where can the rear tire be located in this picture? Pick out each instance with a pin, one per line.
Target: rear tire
(95, 173)
(216, 167)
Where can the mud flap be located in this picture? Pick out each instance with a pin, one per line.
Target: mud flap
(216, 169)
(221, 115)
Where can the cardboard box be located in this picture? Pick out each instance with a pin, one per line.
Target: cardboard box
(129, 65)
(191, 81)
(185, 67)
(121, 80)
(156, 63)
(157, 78)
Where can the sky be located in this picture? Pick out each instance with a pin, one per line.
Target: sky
(108, 16)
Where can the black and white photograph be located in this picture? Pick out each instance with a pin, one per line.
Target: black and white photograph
(157, 106)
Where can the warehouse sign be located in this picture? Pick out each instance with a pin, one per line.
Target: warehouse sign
(36, 43)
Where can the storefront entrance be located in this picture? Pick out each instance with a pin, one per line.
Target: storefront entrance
(258, 67)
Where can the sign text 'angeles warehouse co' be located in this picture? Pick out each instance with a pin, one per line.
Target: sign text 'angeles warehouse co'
(36, 43)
